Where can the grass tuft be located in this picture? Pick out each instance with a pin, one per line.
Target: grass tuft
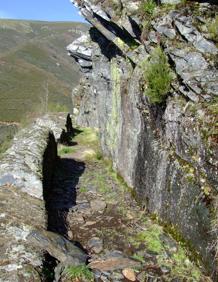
(79, 272)
(63, 150)
(151, 237)
(87, 136)
(148, 7)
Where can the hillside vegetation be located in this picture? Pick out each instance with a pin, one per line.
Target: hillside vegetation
(36, 74)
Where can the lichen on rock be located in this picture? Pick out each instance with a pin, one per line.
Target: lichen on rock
(113, 126)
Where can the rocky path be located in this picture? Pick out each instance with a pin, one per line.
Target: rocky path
(93, 206)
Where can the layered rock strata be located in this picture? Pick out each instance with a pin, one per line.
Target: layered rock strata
(167, 152)
(26, 175)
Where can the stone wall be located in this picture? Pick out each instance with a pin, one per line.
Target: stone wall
(167, 152)
(21, 165)
(22, 209)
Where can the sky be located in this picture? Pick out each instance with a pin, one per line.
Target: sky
(46, 10)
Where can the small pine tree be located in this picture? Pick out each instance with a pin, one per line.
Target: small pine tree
(158, 76)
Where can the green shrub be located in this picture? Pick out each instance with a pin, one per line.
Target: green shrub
(157, 75)
(79, 272)
(213, 29)
(148, 7)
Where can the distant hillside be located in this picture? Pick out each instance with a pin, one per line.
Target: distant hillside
(35, 71)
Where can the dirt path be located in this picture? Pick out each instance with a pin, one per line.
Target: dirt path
(93, 206)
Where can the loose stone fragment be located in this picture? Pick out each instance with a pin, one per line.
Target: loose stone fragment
(57, 246)
(129, 274)
(98, 206)
(95, 244)
(112, 264)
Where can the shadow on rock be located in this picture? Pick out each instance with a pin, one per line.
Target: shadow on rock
(60, 194)
(68, 133)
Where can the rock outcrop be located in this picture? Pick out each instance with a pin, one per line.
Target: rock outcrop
(166, 151)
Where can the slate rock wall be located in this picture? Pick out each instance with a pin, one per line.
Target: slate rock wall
(166, 152)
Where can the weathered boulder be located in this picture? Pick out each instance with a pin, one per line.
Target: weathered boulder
(191, 34)
(81, 50)
(57, 246)
(198, 76)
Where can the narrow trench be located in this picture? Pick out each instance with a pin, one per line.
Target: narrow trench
(60, 178)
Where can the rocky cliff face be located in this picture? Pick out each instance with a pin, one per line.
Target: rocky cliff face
(166, 150)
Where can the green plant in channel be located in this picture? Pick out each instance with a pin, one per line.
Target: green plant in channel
(63, 150)
(79, 272)
(157, 75)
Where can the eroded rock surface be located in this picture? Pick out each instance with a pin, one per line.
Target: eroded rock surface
(167, 152)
